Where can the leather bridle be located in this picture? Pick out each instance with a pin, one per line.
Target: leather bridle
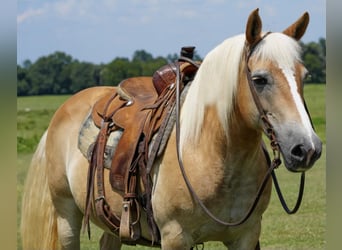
(268, 130)
(270, 133)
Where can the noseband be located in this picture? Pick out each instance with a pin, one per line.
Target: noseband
(268, 130)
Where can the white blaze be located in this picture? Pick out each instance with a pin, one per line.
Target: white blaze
(289, 74)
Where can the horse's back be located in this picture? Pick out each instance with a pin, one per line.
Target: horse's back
(66, 122)
(73, 111)
(81, 102)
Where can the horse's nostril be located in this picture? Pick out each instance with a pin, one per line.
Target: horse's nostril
(304, 156)
(298, 152)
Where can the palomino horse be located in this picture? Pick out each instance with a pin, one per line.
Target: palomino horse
(220, 143)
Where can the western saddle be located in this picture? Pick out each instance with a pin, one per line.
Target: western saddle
(141, 107)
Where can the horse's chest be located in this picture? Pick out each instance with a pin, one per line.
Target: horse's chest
(241, 194)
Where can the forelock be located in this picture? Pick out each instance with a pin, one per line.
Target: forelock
(279, 48)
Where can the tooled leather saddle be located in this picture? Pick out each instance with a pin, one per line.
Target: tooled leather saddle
(141, 108)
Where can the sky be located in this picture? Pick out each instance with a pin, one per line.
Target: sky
(99, 31)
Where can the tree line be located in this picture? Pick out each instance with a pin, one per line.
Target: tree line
(59, 73)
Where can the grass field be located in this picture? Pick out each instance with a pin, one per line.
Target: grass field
(302, 231)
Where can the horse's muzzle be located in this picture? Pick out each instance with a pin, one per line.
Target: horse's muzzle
(299, 150)
(303, 158)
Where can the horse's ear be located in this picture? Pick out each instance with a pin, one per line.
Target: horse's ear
(253, 27)
(298, 28)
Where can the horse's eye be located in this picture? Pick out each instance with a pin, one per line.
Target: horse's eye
(259, 81)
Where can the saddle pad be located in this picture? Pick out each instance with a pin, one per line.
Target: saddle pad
(87, 136)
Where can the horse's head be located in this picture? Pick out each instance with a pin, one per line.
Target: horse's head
(276, 75)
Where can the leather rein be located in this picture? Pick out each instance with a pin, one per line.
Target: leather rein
(270, 133)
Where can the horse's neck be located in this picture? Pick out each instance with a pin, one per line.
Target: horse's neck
(243, 143)
(239, 149)
(221, 166)
(238, 143)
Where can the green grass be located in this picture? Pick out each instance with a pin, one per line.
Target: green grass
(304, 230)
(33, 116)
(315, 100)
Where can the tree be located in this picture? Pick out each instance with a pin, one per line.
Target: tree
(116, 71)
(82, 75)
(150, 67)
(142, 56)
(314, 60)
(146, 62)
(23, 86)
(142, 64)
(59, 73)
(50, 74)
(27, 64)
(321, 42)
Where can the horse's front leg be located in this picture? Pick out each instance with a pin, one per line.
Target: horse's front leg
(174, 237)
(243, 245)
(249, 240)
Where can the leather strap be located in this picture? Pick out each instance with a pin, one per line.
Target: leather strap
(96, 165)
(188, 184)
(269, 131)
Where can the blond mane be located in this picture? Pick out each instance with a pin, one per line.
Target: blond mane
(217, 78)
